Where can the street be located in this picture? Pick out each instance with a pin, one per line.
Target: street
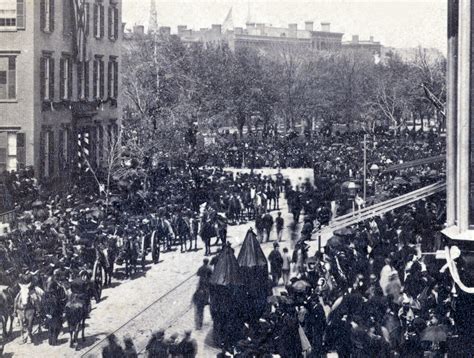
(158, 298)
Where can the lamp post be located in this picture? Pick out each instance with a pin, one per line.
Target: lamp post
(243, 154)
(374, 170)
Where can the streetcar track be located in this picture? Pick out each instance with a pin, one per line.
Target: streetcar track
(163, 296)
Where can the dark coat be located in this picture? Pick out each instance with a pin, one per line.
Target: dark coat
(276, 261)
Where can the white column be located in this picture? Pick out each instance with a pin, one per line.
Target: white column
(464, 112)
(451, 115)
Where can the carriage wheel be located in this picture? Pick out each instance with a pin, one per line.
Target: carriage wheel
(97, 280)
(155, 249)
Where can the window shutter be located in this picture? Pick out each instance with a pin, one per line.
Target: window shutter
(109, 27)
(109, 78)
(61, 159)
(11, 77)
(116, 23)
(43, 14)
(20, 14)
(61, 78)
(51, 15)
(96, 17)
(115, 95)
(101, 7)
(51, 79)
(79, 79)
(52, 153)
(86, 79)
(94, 78)
(102, 79)
(42, 154)
(69, 79)
(87, 18)
(42, 77)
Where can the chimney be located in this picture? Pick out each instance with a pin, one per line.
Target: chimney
(261, 29)
(326, 26)
(355, 39)
(139, 30)
(217, 28)
(292, 30)
(308, 25)
(181, 29)
(371, 39)
(165, 30)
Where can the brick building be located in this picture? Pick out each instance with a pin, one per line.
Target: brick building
(59, 83)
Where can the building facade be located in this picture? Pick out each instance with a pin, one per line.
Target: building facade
(59, 83)
(265, 37)
(356, 44)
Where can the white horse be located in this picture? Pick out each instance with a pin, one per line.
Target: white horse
(26, 307)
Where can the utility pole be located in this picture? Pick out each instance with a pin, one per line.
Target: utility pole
(365, 166)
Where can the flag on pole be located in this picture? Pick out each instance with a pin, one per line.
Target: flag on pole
(228, 24)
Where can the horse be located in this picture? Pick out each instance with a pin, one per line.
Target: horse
(248, 204)
(235, 209)
(53, 309)
(107, 258)
(130, 253)
(183, 231)
(214, 226)
(7, 295)
(76, 314)
(27, 305)
(260, 203)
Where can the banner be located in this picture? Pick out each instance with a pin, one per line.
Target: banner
(79, 18)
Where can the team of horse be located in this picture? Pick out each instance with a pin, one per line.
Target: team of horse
(50, 308)
(34, 306)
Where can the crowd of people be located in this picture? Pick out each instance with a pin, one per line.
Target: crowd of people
(370, 281)
(370, 292)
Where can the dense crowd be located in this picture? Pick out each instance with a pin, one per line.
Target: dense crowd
(369, 280)
(369, 293)
(321, 151)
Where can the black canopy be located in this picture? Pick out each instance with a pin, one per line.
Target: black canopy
(251, 254)
(226, 272)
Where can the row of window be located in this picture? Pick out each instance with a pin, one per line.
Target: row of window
(48, 16)
(47, 78)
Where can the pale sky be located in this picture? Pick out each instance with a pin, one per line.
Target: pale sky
(396, 23)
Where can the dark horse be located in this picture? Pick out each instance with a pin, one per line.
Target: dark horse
(76, 314)
(214, 226)
(129, 255)
(53, 309)
(6, 309)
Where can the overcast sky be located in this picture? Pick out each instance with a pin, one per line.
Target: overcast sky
(397, 23)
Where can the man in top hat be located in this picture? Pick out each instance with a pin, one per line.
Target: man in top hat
(276, 263)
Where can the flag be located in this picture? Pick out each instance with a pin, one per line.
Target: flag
(228, 24)
(79, 33)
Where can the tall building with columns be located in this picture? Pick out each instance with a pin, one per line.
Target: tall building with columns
(59, 83)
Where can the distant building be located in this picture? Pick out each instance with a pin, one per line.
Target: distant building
(263, 37)
(59, 83)
(372, 46)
